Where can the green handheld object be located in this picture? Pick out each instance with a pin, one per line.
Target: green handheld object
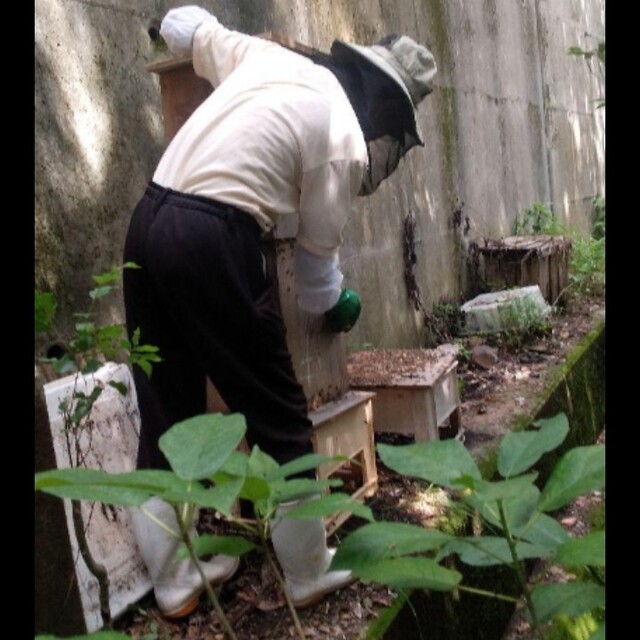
(345, 313)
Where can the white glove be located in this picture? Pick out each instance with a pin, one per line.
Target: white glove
(318, 280)
(179, 25)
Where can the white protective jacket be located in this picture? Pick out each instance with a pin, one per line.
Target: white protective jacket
(277, 136)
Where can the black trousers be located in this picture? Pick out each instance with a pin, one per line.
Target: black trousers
(202, 297)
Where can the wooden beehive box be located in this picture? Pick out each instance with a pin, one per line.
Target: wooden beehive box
(319, 357)
(520, 261)
(416, 390)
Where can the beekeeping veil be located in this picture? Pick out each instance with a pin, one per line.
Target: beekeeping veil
(385, 83)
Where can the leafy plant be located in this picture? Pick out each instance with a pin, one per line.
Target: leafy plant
(208, 471)
(538, 219)
(515, 517)
(89, 348)
(524, 322)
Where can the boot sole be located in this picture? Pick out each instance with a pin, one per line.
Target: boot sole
(190, 606)
(317, 597)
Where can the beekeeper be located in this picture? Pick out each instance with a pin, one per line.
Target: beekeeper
(281, 134)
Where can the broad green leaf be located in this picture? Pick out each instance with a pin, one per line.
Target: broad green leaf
(131, 265)
(518, 509)
(235, 465)
(439, 461)
(588, 550)
(100, 292)
(379, 540)
(255, 489)
(543, 531)
(487, 491)
(598, 634)
(328, 505)
(45, 311)
(261, 464)
(153, 480)
(486, 551)
(123, 496)
(406, 573)
(225, 545)
(579, 471)
(64, 365)
(301, 464)
(221, 497)
(196, 448)
(569, 599)
(285, 491)
(520, 451)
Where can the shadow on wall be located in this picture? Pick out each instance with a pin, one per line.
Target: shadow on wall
(98, 134)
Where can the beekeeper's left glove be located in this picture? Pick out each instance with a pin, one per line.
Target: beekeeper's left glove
(179, 25)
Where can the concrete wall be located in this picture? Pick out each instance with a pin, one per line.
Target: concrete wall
(510, 122)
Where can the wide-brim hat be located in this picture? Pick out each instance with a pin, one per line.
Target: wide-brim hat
(409, 64)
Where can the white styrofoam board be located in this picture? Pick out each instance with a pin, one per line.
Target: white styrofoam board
(493, 312)
(110, 443)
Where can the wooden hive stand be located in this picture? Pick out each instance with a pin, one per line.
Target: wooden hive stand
(345, 428)
(416, 390)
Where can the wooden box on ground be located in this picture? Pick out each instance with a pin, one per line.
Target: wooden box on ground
(416, 390)
(520, 261)
(345, 428)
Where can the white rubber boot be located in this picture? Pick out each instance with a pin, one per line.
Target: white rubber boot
(301, 549)
(176, 582)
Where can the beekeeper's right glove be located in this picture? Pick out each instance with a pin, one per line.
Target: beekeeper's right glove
(179, 26)
(345, 313)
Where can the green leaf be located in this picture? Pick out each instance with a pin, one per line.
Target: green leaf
(439, 461)
(579, 471)
(543, 531)
(301, 464)
(128, 489)
(235, 465)
(328, 505)
(588, 550)
(65, 365)
(487, 491)
(196, 448)
(227, 545)
(285, 491)
(91, 367)
(107, 277)
(486, 551)
(100, 292)
(520, 451)
(598, 634)
(518, 510)
(119, 386)
(261, 464)
(221, 497)
(255, 489)
(380, 540)
(569, 599)
(45, 311)
(406, 573)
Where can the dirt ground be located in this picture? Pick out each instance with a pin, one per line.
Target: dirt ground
(489, 395)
